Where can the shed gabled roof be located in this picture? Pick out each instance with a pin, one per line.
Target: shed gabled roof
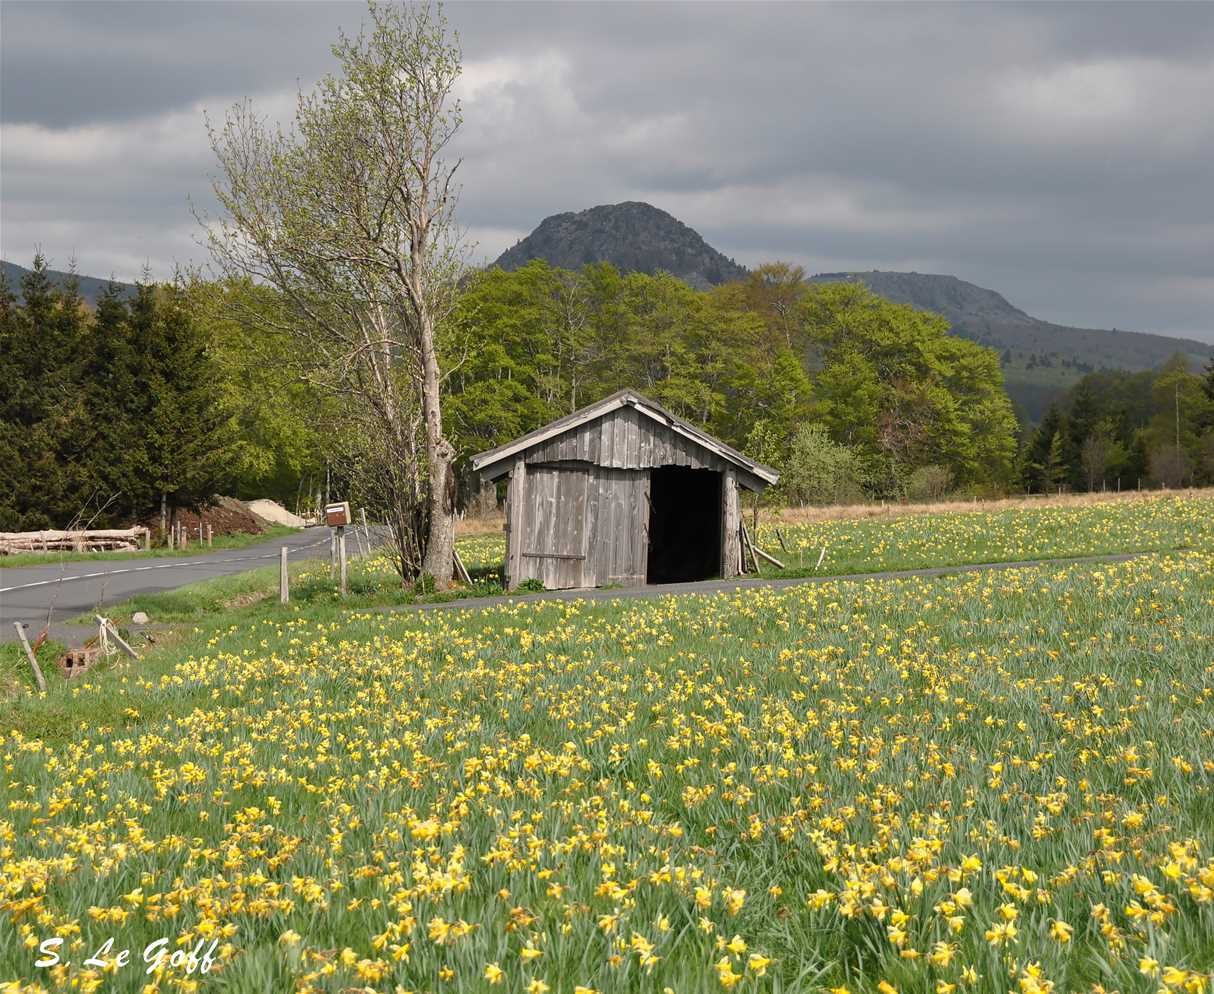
(487, 461)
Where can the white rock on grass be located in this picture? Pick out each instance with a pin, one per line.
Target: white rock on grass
(139, 618)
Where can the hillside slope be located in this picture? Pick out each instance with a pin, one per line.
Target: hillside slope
(632, 236)
(91, 288)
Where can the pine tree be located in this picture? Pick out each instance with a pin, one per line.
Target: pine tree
(1207, 387)
(1057, 470)
(116, 405)
(30, 357)
(43, 405)
(1037, 452)
(185, 430)
(12, 468)
(66, 462)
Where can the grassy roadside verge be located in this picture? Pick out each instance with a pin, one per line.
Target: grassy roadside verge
(236, 541)
(237, 599)
(371, 583)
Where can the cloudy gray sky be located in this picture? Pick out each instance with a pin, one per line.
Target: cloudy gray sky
(1063, 155)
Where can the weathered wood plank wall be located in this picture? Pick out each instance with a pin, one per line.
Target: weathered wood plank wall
(580, 526)
(516, 514)
(624, 439)
(621, 538)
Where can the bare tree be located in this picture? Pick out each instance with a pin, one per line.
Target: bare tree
(1094, 456)
(349, 214)
(1169, 466)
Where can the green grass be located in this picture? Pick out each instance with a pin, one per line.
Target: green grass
(1155, 523)
(16, 677)
(1152, 524)
(371, 582)
(1166, 523)
(235, 541)
(797, 769)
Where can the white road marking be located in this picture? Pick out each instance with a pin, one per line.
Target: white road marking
(115, 572)
(140, 569)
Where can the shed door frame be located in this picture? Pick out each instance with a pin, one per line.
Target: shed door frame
(555, 525)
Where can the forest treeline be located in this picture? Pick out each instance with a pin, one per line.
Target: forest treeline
(106, 414)
(1119, 430)
(138, 407)
(190, 389)
(848, 393)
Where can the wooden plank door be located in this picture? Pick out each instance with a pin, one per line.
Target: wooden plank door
(619, 520)
(555, 537)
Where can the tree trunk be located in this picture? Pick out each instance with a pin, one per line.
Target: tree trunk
(440, 454)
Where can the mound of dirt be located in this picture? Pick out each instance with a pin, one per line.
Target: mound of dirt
(226, 516)
(275, 512)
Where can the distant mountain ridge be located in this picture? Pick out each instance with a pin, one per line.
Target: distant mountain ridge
(633, 237)
(979, 313)
(91, 288)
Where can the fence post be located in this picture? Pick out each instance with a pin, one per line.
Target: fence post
(210, 536)
(284, 591)
(341, 556)
(29, 654)
(366, 532)
(332, 553)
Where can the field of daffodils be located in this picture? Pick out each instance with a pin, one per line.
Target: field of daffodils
(995, 781)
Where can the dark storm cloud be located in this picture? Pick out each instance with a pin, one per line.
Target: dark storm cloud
(1063, 155)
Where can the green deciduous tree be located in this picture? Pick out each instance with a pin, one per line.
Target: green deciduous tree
(820, 470)
(751, 362)
(280, 424)
(895, 384)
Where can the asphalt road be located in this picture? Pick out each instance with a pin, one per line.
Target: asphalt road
(64, 590)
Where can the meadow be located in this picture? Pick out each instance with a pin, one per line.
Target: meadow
(867, 539)
(1017, 533)
(993, 781)
(903, 539)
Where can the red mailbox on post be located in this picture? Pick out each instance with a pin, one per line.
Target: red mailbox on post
(337, 515)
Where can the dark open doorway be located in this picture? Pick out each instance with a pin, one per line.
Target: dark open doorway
(684, 524)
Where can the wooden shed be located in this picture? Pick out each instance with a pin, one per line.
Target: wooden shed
(621, 491)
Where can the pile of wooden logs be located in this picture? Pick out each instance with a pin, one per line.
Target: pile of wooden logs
(107, 539)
